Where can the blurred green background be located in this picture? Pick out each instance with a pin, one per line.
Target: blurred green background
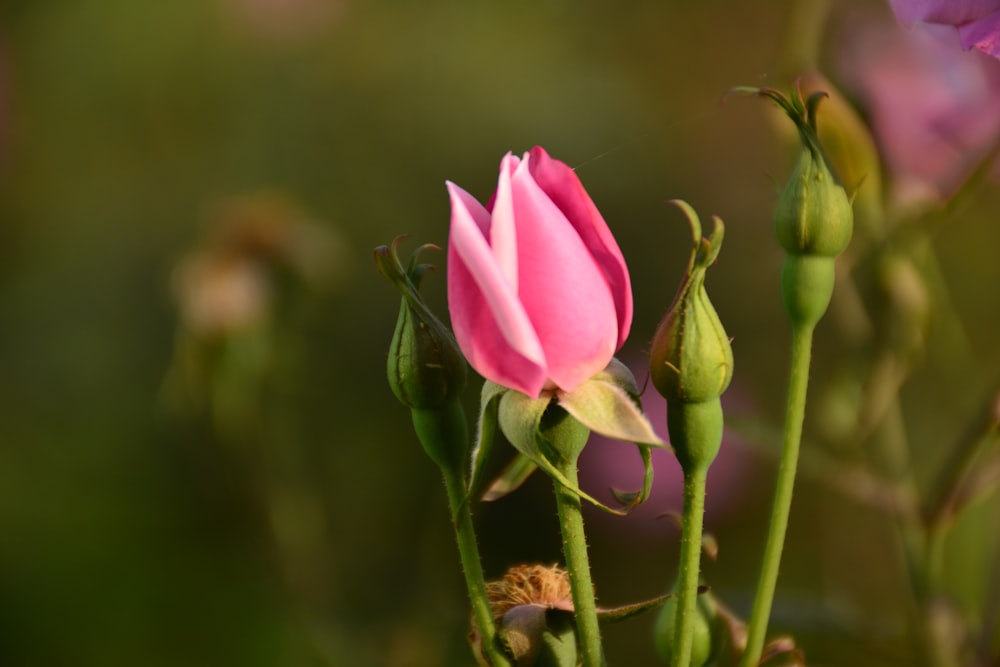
(167, 499)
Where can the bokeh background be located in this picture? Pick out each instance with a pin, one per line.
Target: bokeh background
(200, 460)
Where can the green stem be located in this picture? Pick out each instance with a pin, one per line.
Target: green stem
(690, 564)
(578, 565)
(794, 416)
(468, 549)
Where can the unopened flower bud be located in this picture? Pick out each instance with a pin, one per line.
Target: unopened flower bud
(664, 636)
(691, 359)
(814, 215)
(813, 220)
(425, 369)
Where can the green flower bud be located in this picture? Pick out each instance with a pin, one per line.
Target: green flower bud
(814, 215)
(425, 369)
(691, 359)
(702, 641)
(813, 220)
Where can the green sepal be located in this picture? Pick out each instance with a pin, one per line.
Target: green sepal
(537, 431)
(609, 404)
(486, 429)
(623, 612)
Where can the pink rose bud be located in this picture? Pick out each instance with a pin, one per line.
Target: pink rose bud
(538, 290)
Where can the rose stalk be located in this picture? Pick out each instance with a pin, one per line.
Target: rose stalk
(813, 223)
(540, 301)
(691, 365)
(426, 372)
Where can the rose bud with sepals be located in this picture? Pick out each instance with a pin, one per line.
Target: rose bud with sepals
(814, 219)
(425, 368)
(691, 359)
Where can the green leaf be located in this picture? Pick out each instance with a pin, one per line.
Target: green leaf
(512, 477)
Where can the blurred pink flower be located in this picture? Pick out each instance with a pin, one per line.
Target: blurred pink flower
(977, 21)
(538, 290)
(934, 109)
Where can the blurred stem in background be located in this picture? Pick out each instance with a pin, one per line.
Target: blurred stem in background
(241, 293)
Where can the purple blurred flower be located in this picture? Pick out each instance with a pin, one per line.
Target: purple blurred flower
(934, 109)
(977, 21)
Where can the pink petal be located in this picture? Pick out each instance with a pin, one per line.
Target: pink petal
(947, 12)
(983, 34)
(502, 232)
(563, 289)
(563, 187)
(491, 326)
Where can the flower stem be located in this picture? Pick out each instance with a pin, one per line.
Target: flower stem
(578, 565)
(794, 416)
(690, 564)
(468, 549)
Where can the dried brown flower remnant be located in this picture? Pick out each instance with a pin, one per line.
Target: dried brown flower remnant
(542, 585)
(532, 604)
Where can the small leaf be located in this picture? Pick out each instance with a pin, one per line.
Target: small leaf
(512, 477)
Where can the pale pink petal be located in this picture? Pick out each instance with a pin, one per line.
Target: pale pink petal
(491, 326)
(502, 231)
(563, 290)
(948, 12)
(563, 187)
(934, 108)
(983, 34)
